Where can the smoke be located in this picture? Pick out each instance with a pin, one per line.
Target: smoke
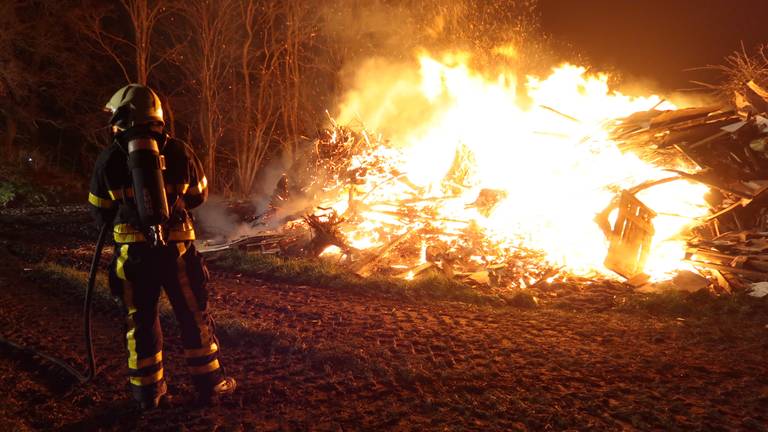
(384, 95)
(379, 41)
(380, 37)
(216, 221)
(394, 28)
(633, 85)
(362, 28)
(266, 180)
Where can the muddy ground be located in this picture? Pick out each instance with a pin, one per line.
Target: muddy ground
(320, 359)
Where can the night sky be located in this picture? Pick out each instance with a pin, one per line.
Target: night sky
(656, 39)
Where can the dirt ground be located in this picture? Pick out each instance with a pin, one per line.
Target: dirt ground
(319, 359)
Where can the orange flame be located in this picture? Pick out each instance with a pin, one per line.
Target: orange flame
(545, 144)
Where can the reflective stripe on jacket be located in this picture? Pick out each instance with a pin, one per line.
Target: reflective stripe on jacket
(111, 191)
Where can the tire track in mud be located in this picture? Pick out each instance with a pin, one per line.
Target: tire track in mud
(319, 359)
(595, 369)
(42, 320)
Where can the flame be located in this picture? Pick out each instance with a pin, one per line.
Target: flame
(544, 143)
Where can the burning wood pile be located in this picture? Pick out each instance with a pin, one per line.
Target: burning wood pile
(414, 238)
(519, 205)
(727, 150)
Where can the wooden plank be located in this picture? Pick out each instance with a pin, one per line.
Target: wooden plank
(760, 276)
(739, 203)
(631, 237)
(707, 140)
(640, 222)
(711, 255)
(363, 267)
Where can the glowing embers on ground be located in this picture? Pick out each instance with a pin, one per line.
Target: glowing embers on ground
(484, 168)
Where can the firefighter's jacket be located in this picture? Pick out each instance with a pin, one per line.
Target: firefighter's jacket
(111, 193)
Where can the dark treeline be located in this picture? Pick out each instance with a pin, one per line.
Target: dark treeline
(241, 80)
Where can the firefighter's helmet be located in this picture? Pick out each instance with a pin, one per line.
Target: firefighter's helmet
(134, 105)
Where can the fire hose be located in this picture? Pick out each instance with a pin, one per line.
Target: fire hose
(91, 371)
(146, 166)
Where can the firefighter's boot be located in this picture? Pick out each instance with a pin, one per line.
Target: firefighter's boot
(159, 399)
(212, 395)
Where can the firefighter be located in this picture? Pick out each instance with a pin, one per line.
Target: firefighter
(163, 255)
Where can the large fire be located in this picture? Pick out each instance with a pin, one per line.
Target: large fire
(540, 148)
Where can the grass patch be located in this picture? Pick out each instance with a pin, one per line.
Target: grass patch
(238, 331)
(698, 304)
(23, 186)
(58, 279)
(15, 191)
(232, 330)
(322, 273)
(335, 359)
(14, 194)
(70, 283)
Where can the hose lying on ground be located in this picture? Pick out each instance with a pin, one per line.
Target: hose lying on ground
(81, 378)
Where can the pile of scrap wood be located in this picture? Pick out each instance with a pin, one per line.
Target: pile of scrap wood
(737, 259)
(414, 239)
(725, 148)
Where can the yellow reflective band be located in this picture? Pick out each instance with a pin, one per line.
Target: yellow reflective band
(200, 352)
(147, 361)
(117, 194)
(191, 301)
(181, 247)
(130, 337)
(100, 202)
(125, 228)
(126, 233)
(147, 380)
(119, 266)
(197, 190)
(206, 368)
(176, 235)
(129, 238)
(177, 188)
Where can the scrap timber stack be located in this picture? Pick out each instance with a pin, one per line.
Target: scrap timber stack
(723, 147)
(415, 240)
(727, 150)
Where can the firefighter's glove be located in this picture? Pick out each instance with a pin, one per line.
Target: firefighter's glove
(179, 213)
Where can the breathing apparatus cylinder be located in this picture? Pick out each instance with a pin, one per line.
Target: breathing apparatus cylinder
(146, 165)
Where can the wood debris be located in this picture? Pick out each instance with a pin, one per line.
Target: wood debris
(726, 150)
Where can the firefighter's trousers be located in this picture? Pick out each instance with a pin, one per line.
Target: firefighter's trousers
(137, 274)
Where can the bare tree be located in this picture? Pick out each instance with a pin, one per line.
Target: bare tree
(298, 29)
(273, 58)
(259, 63)
(208, 61)
(37, 74)
(134, 39)
(9, 73)
(12, 80)
(144, 16)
